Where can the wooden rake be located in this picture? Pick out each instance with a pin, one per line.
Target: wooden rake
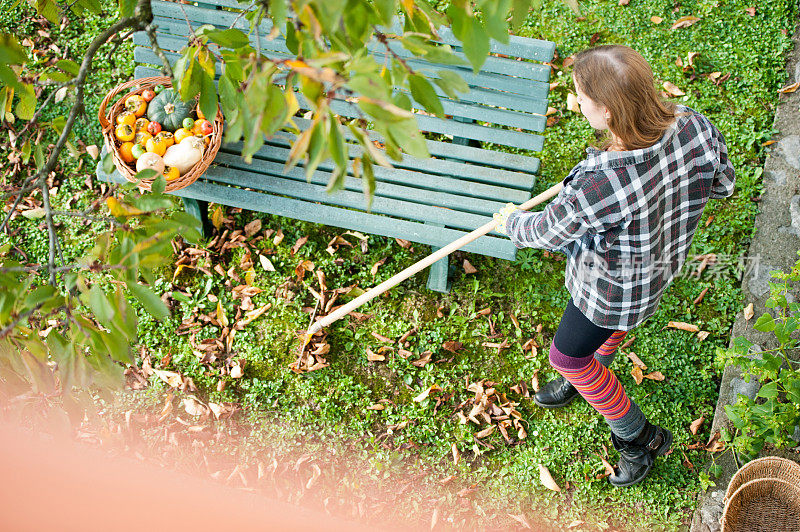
(417, 267)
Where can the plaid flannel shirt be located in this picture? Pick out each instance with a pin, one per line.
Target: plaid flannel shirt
(626, 219)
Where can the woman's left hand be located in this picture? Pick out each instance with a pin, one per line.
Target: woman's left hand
(502, 216)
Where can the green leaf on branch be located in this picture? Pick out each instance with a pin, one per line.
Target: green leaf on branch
(386, 9)
(277, 10)
(149, 300)
(11, 52)
(476, 43)
(451, 83)
(97, 300)
(48, 9)
(424, 94)
(126, 8)
(521, 9)
(208, 96)
(765, 323)
(230, 38)
(495, 13)
(368, 179)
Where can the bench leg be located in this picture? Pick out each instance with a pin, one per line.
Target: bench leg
(439, 275)
(199, 209)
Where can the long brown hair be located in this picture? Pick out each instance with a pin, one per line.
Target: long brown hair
(620, 79)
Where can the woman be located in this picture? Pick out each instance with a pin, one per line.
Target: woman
(625, 219)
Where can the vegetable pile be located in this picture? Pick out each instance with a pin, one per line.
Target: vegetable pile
(157, 130)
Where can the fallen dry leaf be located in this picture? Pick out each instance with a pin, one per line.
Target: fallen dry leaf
(469, 268)
(751, 11)
(547, 479)
(423, 359)
(550, 111)
(424, 395)
(373, 357)
(672, 89)
(683, 326)
(695, 426)
(236, 372)
(456, 454)
(520, 518)
(656, 20)
(748, 312)
(609, 469)
(381, 338)
(485, 432)
(785, 90)
(405, 244)
(577, 522)
(702, 335)
(93, 151)
(278, 237)
(301, 269)
(194, 407)
(655, 376)
(572, 103)
(637, 374)
(374, 269)
(297, 245)
(636, 360)
(453, 346)
(170, 377)
(684, 22)
(252, 228)
(715, 444)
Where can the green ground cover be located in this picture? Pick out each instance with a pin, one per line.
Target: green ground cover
(329, 409)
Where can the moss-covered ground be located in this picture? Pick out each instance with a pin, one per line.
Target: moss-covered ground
(329, 410)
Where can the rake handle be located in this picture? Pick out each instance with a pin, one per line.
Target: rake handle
(424, 263)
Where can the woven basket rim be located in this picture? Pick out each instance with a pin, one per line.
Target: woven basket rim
(747, 486)
(781, 468)
(137, 86)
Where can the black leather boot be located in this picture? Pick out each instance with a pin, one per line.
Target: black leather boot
(556, 394)
(636, 458)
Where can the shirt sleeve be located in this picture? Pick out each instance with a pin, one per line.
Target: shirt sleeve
(562, 221)
(725, 177)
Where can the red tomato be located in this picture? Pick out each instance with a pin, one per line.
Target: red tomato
(154, 128)
(148, 95)
(205, 127)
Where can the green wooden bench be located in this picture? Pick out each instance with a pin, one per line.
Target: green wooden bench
(428, 201)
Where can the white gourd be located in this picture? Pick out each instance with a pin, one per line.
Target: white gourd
(185, 154)
(150, 160)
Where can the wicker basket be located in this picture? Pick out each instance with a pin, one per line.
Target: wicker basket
(108, 119)
(763, 505)
(766, 467)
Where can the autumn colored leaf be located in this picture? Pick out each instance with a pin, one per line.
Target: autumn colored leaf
(424, 395)
(672, 89)
(485, 432)
(520, 518)
(702, 335)
(456, 454)
(194, 407)
(637, 374)
(278, 237)
(684, 22)
(655, 376)
(381, 338)
(748, 312)
(789, 88)
(715, 444)
(636, 360)
(405, 244)
(236, 372)
(751, 11)
(297, 245)
(469, 268)
(374, 357)
(216, 217)
(423, 359)
(547, 479)
(688, 327)
(252, 228)
(453, 346)
(170, 377)
(374, 269)
(609, 469)
(656, 20)
(301, 269)
(572, 103)
(695, 426)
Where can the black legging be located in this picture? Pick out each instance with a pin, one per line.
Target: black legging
(577, 336)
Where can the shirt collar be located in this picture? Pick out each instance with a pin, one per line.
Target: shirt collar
(597, 159)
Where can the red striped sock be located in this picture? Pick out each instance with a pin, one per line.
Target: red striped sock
(600, 387)
(605, 353)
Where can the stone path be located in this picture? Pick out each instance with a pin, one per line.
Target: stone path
(774, 247)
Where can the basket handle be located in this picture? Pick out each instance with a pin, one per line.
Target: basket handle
(105, 123)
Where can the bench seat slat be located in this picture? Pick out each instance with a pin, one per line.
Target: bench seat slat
(335, 216)
(350, 197)
(406, 191)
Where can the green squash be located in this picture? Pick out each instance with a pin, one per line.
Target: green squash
(169, 110)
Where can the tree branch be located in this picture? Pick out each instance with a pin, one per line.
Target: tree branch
(144, 16)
